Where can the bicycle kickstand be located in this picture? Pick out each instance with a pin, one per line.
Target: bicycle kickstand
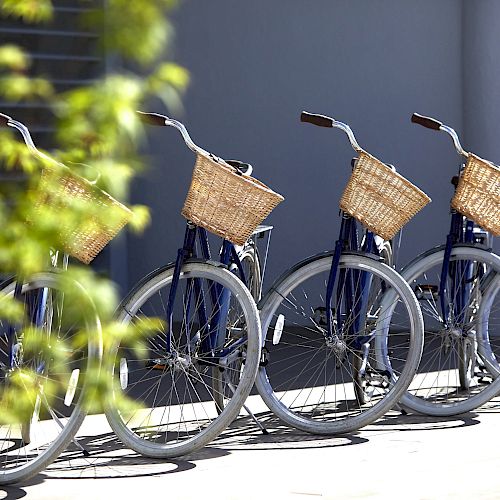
(252, 416)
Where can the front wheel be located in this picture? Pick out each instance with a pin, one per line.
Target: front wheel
(311, 382)
(460, 362)
(178, 390)
(47, 372)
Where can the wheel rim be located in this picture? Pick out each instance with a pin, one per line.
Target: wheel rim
(453, 376)
(55, 411)
(180, 410)
(335, 407)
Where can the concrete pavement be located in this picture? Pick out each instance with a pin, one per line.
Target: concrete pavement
(410, 457)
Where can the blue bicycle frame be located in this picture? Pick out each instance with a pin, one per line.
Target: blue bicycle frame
(36, 305)
(212, 349)
(460, 273)
(353, 298)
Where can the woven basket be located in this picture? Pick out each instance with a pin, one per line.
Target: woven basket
(86, 238)
(381, 199)
(478, 194)
(226, 203)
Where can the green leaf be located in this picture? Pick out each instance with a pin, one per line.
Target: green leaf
(29, 10)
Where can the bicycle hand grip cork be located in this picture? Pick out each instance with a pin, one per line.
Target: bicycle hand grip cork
(319, 120)
(425, 121)
(152, 118)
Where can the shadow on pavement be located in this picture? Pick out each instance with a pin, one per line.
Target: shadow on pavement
(109, 459)
(16, 491)
(244, 434)
(414, 422)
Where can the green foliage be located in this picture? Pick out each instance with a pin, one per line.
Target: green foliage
(19, 87)
(13, 58)
(98, 131)
(18, 397)
(11, 310)
(138, 30)
(31, 11)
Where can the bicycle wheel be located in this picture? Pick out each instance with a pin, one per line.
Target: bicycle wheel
(29, 444)
(386, 253)
(250, 262)
(362, 387)
(181, 412)
(460, 357)
(309, 382)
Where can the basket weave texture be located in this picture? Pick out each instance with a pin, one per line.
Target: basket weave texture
(478, 194)
(226, 203)
(381, 199)
(82, 239)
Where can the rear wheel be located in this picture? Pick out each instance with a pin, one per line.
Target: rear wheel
(361, 367)
(225, 381)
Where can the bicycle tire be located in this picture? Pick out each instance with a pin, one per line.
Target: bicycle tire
(441, 387)
(274, 392)
(250, 260)
(159, 439)
(47, 439)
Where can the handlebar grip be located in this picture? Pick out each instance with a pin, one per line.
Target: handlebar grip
(319, 120)
(425, 121)
(4, 119)
(152, 118)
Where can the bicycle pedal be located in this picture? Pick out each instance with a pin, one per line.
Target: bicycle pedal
(156, 365)
(426, 292)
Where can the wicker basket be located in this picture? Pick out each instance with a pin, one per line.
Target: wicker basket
(381, 199)
(82, 239)
(478, 194)
(226, 203)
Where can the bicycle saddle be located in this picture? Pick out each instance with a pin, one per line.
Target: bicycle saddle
(243, 168)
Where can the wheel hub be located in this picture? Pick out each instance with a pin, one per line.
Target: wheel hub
(451, 335)
(172, 361)
(338, 346)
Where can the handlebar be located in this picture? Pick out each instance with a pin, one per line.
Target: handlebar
(434, 124)
(8, 121)
(326, 121)
(162, 120)
(4, 119)
(165, 121)
(426, 122)
(319, 120)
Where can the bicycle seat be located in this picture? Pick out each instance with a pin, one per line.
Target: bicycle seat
(243, 168)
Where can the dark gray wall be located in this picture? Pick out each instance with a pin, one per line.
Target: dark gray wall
(256, 65)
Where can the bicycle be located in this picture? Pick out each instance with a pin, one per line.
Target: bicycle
(457, 286)
(343, 331)
(195, 373)
(49, 370)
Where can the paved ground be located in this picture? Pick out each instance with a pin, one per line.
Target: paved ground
(405, 457)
